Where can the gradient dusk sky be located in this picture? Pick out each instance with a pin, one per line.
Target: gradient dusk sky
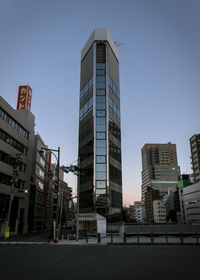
(41, 43)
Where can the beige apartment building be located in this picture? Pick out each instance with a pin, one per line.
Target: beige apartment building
(16, 138)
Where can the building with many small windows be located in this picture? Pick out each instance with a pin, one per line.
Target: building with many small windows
(16, 137)
(139, 211)
(149, 196)
(159, 211)
(160, 169)
(190, 203)
(39, 187)
(195, 156)
(99, 126)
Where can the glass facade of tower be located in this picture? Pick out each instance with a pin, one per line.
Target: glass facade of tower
(99, 130)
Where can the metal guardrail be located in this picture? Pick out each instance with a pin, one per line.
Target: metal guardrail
(141, 238)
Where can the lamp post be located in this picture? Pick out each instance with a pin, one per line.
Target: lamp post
(57, 186)
(16, 171)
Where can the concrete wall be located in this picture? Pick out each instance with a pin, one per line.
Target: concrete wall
(161, 228)
(133, 228)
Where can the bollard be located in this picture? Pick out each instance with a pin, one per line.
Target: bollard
(152, 238)
(86, 237)
(111, 236)
(124, 235)
(181, 237)
(166, 237)
(68, 241)
(197, 237)
(99, 237)
(62, 239)
(138, 238)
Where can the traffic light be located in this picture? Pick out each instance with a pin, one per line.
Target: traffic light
(25, 191)
(74, 168)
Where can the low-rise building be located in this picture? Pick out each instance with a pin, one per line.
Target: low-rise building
(66, 204)
(149, 196)
(16, 142)
(139, 211)
(159, 211)
(92, 223)
(190, 203)
(40, 187)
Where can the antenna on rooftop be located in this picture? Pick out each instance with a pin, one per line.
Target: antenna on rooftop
(118, 44)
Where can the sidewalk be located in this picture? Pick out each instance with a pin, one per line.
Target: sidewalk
(31, 236)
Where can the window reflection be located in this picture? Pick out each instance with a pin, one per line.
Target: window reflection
(101, 135)
(100, 85)
(114, 89)
(100, 120)
(101, 167)
(100, 159)
(114, 109)
(100, 99)
(86, 108)
(101, 175)
(101, 106)
(100, 127)
(100, 151)
(100, 72)
(100, 191)
(100, 92)
(101, 113)
(101, 79)
(86, 89)
(114, 130)
(101, 66)
(101, 143)
(100, 184)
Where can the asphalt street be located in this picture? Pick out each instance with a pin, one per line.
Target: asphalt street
(98, 262)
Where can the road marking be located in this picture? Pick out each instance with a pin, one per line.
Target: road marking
(21, 242)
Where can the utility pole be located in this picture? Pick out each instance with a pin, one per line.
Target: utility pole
(76, 170)
(77, 206)
(55, 222)
(12, 189)
(61, 208)
(57, 191)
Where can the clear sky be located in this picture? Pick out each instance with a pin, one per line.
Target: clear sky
(40, 45)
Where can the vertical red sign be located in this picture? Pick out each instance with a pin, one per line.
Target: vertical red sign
(29, 98)
(24, 98)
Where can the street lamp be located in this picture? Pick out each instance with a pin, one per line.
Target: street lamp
(41, 152)
(16, 171)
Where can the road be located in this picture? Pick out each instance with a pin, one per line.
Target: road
(99, 262)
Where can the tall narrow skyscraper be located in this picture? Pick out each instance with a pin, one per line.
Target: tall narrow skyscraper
(99, 126)
(195, 156)
(160, 169)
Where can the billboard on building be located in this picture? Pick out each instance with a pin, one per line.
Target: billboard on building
(24, 98)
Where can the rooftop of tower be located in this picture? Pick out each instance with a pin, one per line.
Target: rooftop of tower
(100, 34)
